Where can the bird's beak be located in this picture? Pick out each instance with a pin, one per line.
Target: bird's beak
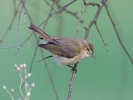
(93, 56)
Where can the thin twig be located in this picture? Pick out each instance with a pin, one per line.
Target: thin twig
(49, 74)
(95, 17)
(94, 20)
(37, 39)
(52, 8)
(69, 12)
(10, 94)
(45, 58)
(79, 18)
(34, 55)
(58, 11)
(21, 83)
(47, 2)
(114, 26)
(74, 70)
(105, 44)
(23, 3)
(12, 21)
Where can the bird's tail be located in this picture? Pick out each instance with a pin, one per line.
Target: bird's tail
(41, 32)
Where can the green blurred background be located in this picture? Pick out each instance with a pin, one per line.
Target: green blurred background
(109, 76)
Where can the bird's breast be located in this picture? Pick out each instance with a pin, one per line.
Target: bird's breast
(69, 61)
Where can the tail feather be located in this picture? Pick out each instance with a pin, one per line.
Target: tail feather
(41, 32)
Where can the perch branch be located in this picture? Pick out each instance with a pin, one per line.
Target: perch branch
(74, 70)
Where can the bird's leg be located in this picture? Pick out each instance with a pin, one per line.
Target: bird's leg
(41, 38)
(70, 66)
(45, 58)
(74, 68)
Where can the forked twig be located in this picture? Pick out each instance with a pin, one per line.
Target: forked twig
(74, 14)
(94, 20)
(12, 21)
(58, 11)
(96, 16)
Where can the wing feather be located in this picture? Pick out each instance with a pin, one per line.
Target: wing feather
(66, 47)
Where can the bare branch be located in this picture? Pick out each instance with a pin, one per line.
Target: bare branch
(12, 21)
(74, 70)
(58, 11)
(23, 3)
(70, 12)
(49, 74)
(45, 64)
(34, 55)
(52, 8)
(95, 17)
(45, 58)
(105, 44)
(114, 26)
(79, 19)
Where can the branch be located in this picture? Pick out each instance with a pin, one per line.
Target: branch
(95, 20)
(23, 4)
(74, 70)
(12, 21)
(34, 55)
(79, 19)
(114, 26)
(58, 11)
(45, 64)
(52, 8)
(19, 45)
(37, 39)
(95, 17)
(105, 44)
(69, 12)
(45, 58)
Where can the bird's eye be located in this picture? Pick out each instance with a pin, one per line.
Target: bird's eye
(88, 49)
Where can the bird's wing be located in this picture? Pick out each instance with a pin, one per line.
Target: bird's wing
(66, 47)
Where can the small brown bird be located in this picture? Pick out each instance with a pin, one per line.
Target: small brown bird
(65, 50)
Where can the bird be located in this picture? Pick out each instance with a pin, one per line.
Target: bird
(65, 50)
